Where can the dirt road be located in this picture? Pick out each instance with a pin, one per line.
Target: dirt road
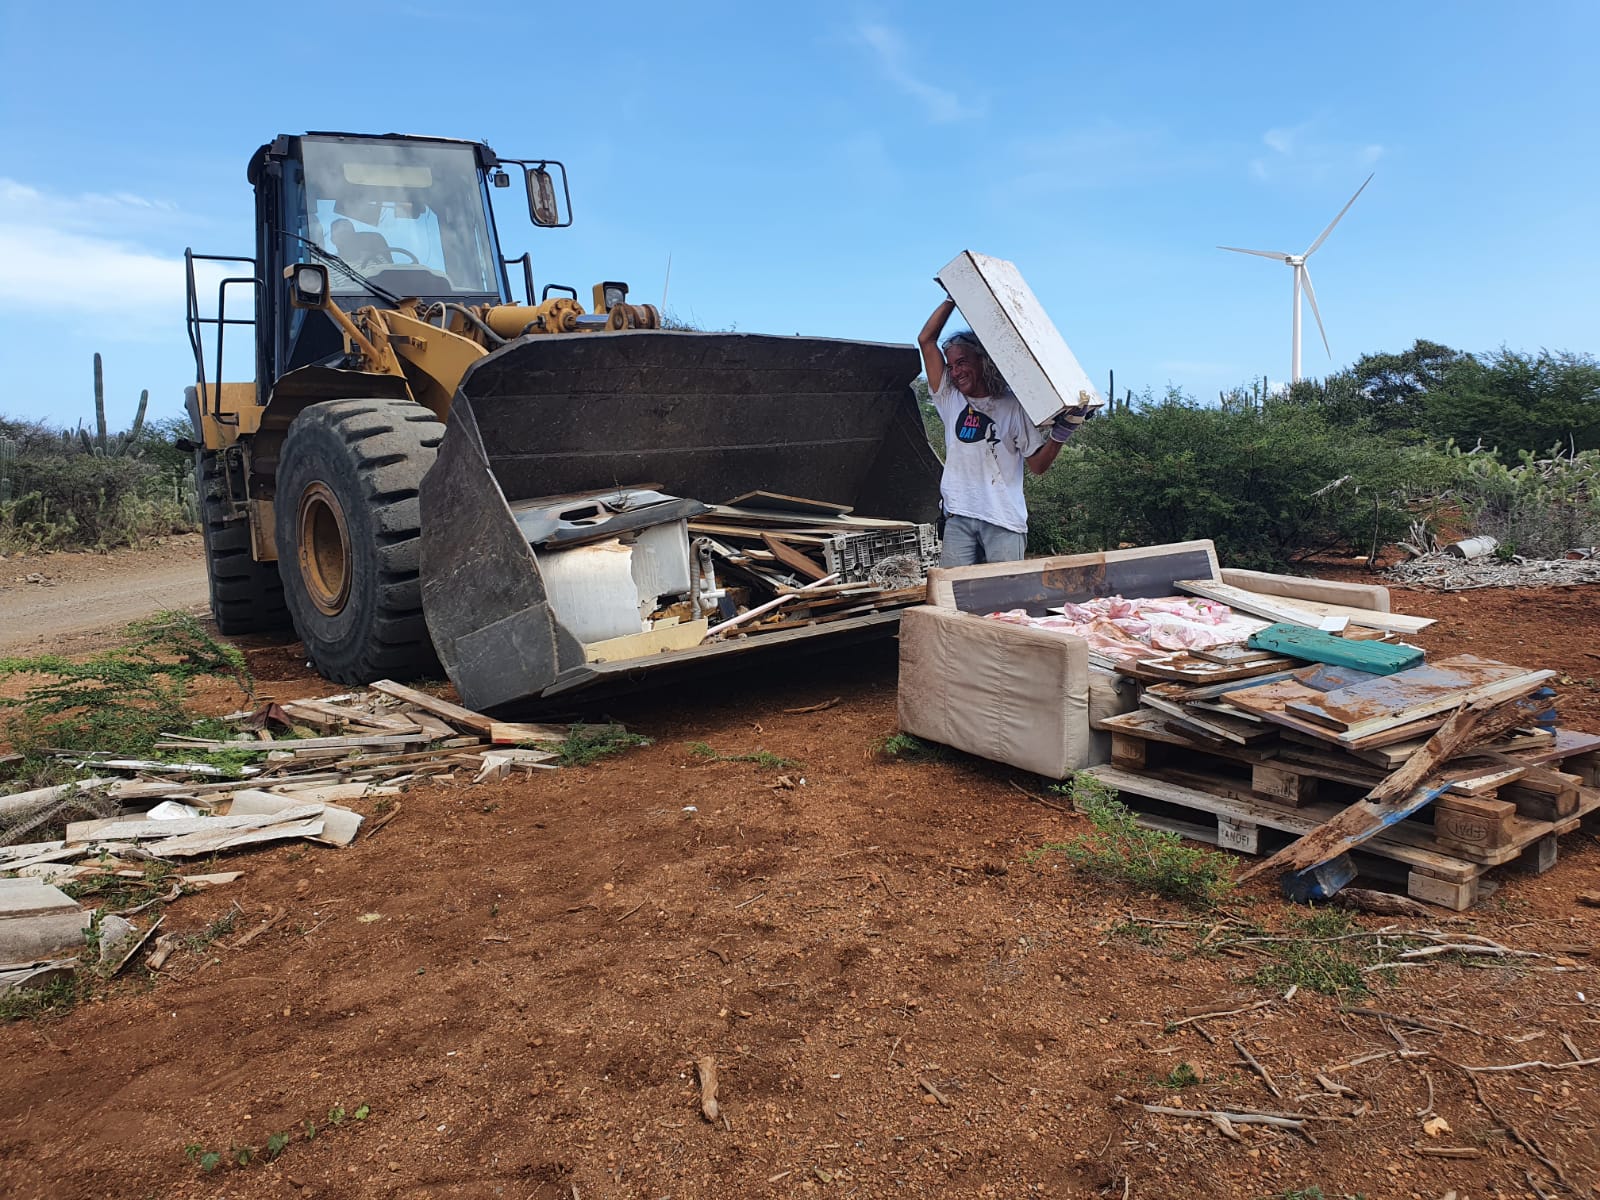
(69, 602)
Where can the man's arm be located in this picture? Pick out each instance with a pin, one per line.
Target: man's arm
(928, 340)
(1061, 431)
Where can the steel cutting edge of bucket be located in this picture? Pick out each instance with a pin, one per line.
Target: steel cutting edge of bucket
(705, 416)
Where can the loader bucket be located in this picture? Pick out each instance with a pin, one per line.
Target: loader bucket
(705, 416)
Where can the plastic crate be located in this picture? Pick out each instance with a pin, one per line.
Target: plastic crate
(853, 555)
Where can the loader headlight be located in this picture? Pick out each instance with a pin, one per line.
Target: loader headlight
(308, 285)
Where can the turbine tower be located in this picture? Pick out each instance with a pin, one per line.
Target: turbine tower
(1302, 278)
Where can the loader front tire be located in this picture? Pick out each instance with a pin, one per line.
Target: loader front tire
(246, 595)
(348, 525)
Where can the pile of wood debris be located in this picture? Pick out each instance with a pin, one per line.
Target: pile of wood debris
(1314, 745)
(793, 562)
(1445, 572)
(367, 745)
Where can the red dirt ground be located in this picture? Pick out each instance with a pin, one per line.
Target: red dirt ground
(516, 979)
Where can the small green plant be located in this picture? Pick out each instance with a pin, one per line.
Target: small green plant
(206, 1160)
(902, 747)
(119, 701)
(1136, 931)
(242, 1154)
(1313, 1192)
(762, 758)
(1151, 860)
(1324, 951)
(220, 928)
(1181, 1076)
(276, 1145)
(28, 1003)
(336, 1115)
(585, 744)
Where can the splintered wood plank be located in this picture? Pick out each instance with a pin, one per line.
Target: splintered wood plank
(463, 718)
(129, 829)
(1300, 611)
(795, 560)
(1404, 792)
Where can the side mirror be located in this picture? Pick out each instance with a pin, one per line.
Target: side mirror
(545, 201)
(308, 285)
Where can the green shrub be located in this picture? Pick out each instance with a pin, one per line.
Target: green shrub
(1117, 848)
(121, 700)
(85, 501)
(1538, 508)
(1272, 483)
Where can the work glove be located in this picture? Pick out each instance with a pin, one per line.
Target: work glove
(1067, 423)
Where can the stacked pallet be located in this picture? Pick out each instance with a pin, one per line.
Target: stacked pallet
(805, 562)
(1388, 767)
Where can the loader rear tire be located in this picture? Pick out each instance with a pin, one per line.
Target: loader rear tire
(348, 525)
(246, 595)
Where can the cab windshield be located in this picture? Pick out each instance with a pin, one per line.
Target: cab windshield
(409, 210)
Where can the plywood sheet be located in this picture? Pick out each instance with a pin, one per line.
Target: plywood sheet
(1018, 335)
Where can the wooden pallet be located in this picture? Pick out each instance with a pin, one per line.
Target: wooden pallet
(1479, 824)
(1434, 874)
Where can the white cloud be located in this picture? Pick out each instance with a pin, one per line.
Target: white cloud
(87, 257)
(1299, 152)
(895, 63)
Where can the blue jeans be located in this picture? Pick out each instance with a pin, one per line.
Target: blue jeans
(969, 541)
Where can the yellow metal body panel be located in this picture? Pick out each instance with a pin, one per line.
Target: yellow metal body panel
(438, 358)
(238, 406)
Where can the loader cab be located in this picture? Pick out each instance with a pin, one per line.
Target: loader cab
(388, 216)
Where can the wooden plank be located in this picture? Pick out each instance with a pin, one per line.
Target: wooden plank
(1215, 724)
(778, 503)
(1313, 645)
(512, 733)
(681, 636)
(736, 533)
(392, 723)
(1509, 689)
(462, 718)
(1416, 691)
(1469, 823)
(299, 745)
(1403, 846)
(1284, 787)
(1181, 668)
(1232, 655)
(25, 803)
(1299, 611)
(792, 558)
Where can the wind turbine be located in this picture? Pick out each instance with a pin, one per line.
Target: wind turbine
(1302, 278)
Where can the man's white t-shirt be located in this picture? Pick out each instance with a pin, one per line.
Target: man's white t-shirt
(985, 444)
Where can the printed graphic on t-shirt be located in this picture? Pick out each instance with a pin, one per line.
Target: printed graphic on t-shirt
(976, 426)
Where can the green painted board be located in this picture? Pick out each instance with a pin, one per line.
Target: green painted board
(1313, 645)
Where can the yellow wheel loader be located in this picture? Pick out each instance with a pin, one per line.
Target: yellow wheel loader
(389, 479)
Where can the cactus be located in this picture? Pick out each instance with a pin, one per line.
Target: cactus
(125, 445)
(8, 461)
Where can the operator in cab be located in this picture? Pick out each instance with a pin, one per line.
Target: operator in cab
(988, 444)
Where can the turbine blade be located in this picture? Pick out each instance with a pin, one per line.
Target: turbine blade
(1311, 295)
(1277, 254)
(1336, 220)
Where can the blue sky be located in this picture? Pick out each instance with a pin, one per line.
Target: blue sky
(808, 168)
